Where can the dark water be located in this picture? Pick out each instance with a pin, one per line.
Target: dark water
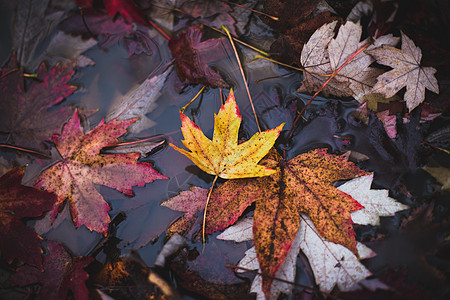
(276, 101)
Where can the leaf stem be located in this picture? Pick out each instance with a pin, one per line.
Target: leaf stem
(243, 75)
(193, 99)
(24, 150)
(206, 207)
(319, 90)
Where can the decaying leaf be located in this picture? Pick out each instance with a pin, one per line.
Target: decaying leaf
(222, 156)
(407, 71)
(376, 202)
(17, 202)
(242, 231)
(82, 166)
(62, 273)
(324, 54)
(332, 264)
(26, 117)
(138, 102)
(192, 57)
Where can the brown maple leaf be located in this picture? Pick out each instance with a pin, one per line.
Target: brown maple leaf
(17, 202)
(26, 116)
(323, 55)
(407, 71)
(61, 274)
(300, 185)
(82, 166)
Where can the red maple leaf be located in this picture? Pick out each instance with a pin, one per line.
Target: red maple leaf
(17, 202)
(82, 166)
(61, 274)
(192, 57)
(26, 117)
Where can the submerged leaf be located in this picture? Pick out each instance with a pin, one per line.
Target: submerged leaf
(191, 57)
(18, 202)
(26, 116)
(138, 102)
(222, 156)
(82, 166)
(62, 273)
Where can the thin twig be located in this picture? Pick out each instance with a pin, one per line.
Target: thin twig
(193, 99)
(255, 11)
(243, 75)
(24, 150)
(206, 207)
(289, 66)
(319, 90)
(213, 28)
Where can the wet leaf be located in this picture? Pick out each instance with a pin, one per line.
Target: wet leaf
(191, 202)
(138, 102)
(18, 202)
(324, 54)
(303, 184)
(27, 115)
(82, 166)
(332, 263)
(376, 202)
(407, 71)
(31, 25)
(192, 55)
(62, 273)
(222, 156)
(213, 13)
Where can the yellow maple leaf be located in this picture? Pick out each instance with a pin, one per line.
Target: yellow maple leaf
(223, 156)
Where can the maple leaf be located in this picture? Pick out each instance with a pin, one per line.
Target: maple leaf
(17, 202)
(62, 273)
(324, 55)
(191, 202)
(82, 166)
(191, 57)
(332, 264)
(407, 71)
(26, 116)
(222, 156)
(138, 102)
(376, 202)
(302, 184)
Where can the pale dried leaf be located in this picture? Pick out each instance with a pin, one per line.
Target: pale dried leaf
(406, 72)
(376, 202)
(324, 55)
(332, 264)
(239, 232)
